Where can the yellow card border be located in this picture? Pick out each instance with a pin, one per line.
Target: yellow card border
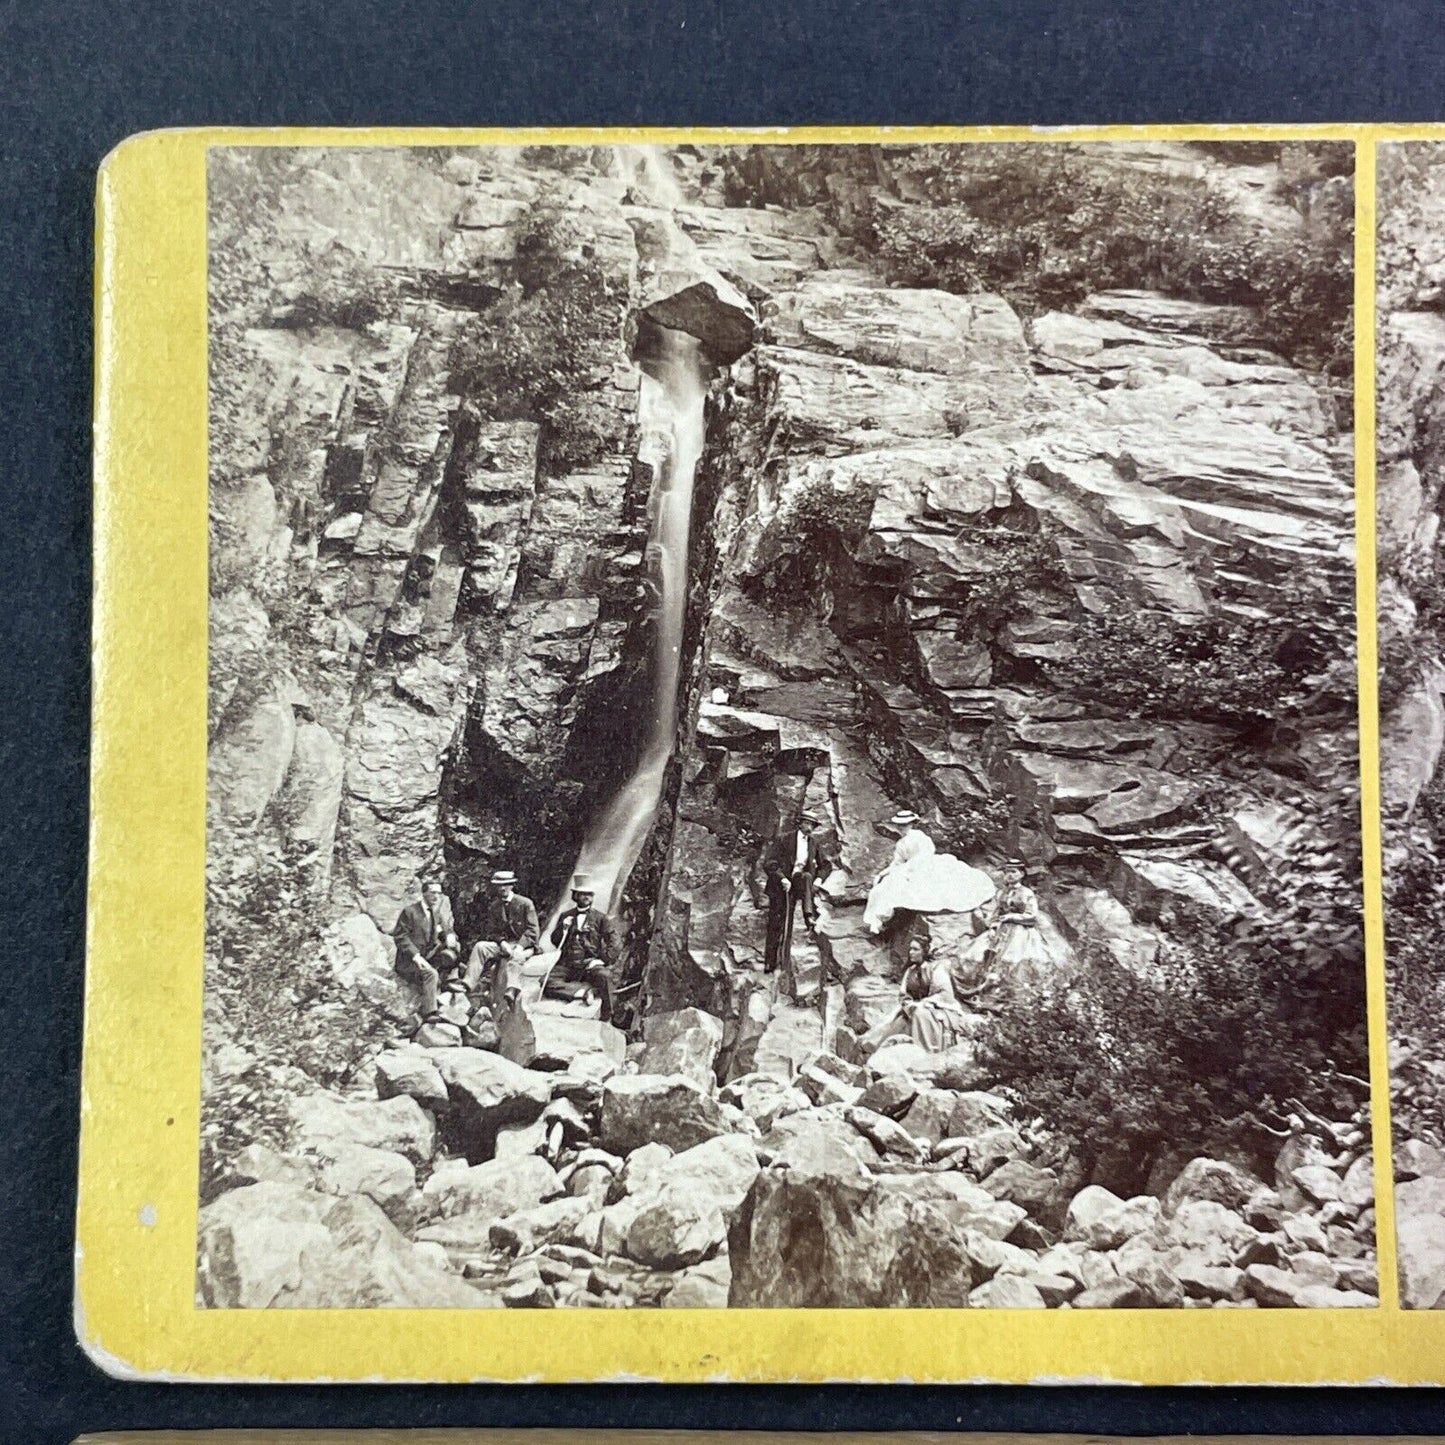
(136, 1230)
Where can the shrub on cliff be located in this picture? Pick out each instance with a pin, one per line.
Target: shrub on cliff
(269, 989)
(545, 347)
(1247, 673)
(1047, 226)
(1212, 1050)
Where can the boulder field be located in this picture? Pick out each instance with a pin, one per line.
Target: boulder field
(596, 1186)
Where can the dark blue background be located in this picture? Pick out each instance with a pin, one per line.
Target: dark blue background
(75, 78)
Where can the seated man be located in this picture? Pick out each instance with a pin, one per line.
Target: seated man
(587, 940)
(509, 935)
(427, 949)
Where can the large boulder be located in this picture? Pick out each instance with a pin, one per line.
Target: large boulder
(685, 1042)
(410, 1072)
(360, 956)
(669, 1109)
(1037, 1190)
(821, 1231)
(248, 759)
(677, 1226)
(1100, 1219)
(763, 1098)
(550, 1042)
(400, 1125)
(1212, 1179)
(1420, 1244)
(493, 1189)
(273, 1245)
(486, 1093)
(721, 1171)
(386, 1178)
(310, 798)
(798, 1132)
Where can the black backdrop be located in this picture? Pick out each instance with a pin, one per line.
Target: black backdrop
(76, 77)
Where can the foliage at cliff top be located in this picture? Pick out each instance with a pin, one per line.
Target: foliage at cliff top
(1047, 225)
(549, 342)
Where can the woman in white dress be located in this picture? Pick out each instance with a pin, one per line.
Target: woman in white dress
(921, 879)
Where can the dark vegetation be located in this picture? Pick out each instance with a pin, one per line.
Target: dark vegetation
(1046, 226)
(542, 350)
(1210, 1056)
(269, 985)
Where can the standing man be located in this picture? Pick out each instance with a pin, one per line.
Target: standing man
(587, 944)
(426, 943)
(791, 869)
(509, 936)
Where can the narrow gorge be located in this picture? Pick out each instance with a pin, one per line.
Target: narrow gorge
(606, 510)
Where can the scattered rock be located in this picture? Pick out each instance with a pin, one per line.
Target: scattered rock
(686, 1042)
(640, 1109)
(1007, 1292)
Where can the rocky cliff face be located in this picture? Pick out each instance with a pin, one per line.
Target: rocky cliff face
(917, 499)
(933, 539)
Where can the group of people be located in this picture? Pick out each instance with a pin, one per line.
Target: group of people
(429, 952)
(939, 997)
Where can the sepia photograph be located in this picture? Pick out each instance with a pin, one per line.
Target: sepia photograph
(784, 727)
(1410, 460)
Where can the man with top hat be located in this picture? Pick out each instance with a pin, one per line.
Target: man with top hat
(427, 949)
(588, 948)
(509, 935)
(791, 870)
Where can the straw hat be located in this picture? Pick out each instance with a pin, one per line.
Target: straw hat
(904, 818)
(503, 875)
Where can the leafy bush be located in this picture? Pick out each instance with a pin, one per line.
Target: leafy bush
(818, 520)
(1018, 562)
(1212, 1051)
(1247, 674)
(1047, 226)
(270, 994)
(542, 351)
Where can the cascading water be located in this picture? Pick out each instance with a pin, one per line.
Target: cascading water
(674, 389)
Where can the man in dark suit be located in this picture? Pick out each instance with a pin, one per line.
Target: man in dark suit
(791, 868)
(509, 935)
(426, 943)
(588, 947)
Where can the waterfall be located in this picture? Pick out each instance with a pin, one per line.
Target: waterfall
(674, 389)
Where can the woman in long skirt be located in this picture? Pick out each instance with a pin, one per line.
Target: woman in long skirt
(928, 1012)
(1013, 948)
